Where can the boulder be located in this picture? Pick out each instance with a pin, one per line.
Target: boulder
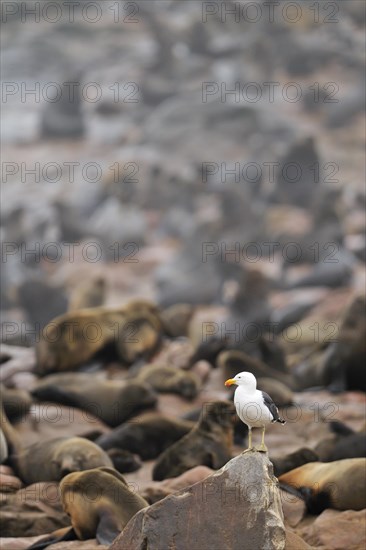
(293, 508)
(237, 507)
(34, 510)
(338, 530)
(293, 542)
(157, 490)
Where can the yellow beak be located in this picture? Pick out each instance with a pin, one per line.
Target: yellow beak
(230, 382)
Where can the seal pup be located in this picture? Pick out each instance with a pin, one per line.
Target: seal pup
(16, 402)
(10, 440)
(342, 443)
(99, 504)
(209, 443)
(113, 401)
(284, 464)
(90, 294)
(345, 358)
(133, 331)
(209, 350)
(53, 459)
(176, 319)
(233, 361)
(165, 379)
(301, 192)
(124, 461)
(148, 436)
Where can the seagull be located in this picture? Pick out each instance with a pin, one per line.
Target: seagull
(254, 407)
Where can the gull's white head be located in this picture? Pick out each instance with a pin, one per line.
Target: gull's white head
(246, 379)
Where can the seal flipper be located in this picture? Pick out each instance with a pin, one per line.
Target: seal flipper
(316, 502)
(339, 428)
(107, 529)
(54, 394)
(64, 534)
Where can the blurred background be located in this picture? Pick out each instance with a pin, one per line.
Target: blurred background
(207, 153)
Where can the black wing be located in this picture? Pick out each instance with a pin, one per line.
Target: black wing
(272, 408)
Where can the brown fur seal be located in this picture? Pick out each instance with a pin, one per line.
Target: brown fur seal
(99, 503)
(165, 379)
(293, 460)
(89, 294)
(147, 436)
(76, 337)
(176, 319)
(16, 402)
(124, 461)
(233, 361)
(53, 459)
(210, 350)
(209, 443)
(50, 460)
(279, 392)
(114, 401)
(140, 337)
(11, 443)
(340, 484)
(343, 442)
(345, 358)
(133, 331)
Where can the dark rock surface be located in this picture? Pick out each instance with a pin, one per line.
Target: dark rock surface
(237, 506)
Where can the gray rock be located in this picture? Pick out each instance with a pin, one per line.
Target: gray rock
(63, 118)
(237, 507)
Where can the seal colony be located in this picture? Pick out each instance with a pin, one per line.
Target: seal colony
(254, 407)
(156, 408)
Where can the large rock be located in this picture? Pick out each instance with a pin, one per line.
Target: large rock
(293, 542)
(237, 507)
(335, 530)
(34, 510)
(157, 490)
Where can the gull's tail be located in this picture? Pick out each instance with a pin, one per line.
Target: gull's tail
(280, 420)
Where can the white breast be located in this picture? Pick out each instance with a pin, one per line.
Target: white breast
(250, 408)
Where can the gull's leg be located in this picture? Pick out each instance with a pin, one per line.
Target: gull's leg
(250, 448)
(262, 448)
